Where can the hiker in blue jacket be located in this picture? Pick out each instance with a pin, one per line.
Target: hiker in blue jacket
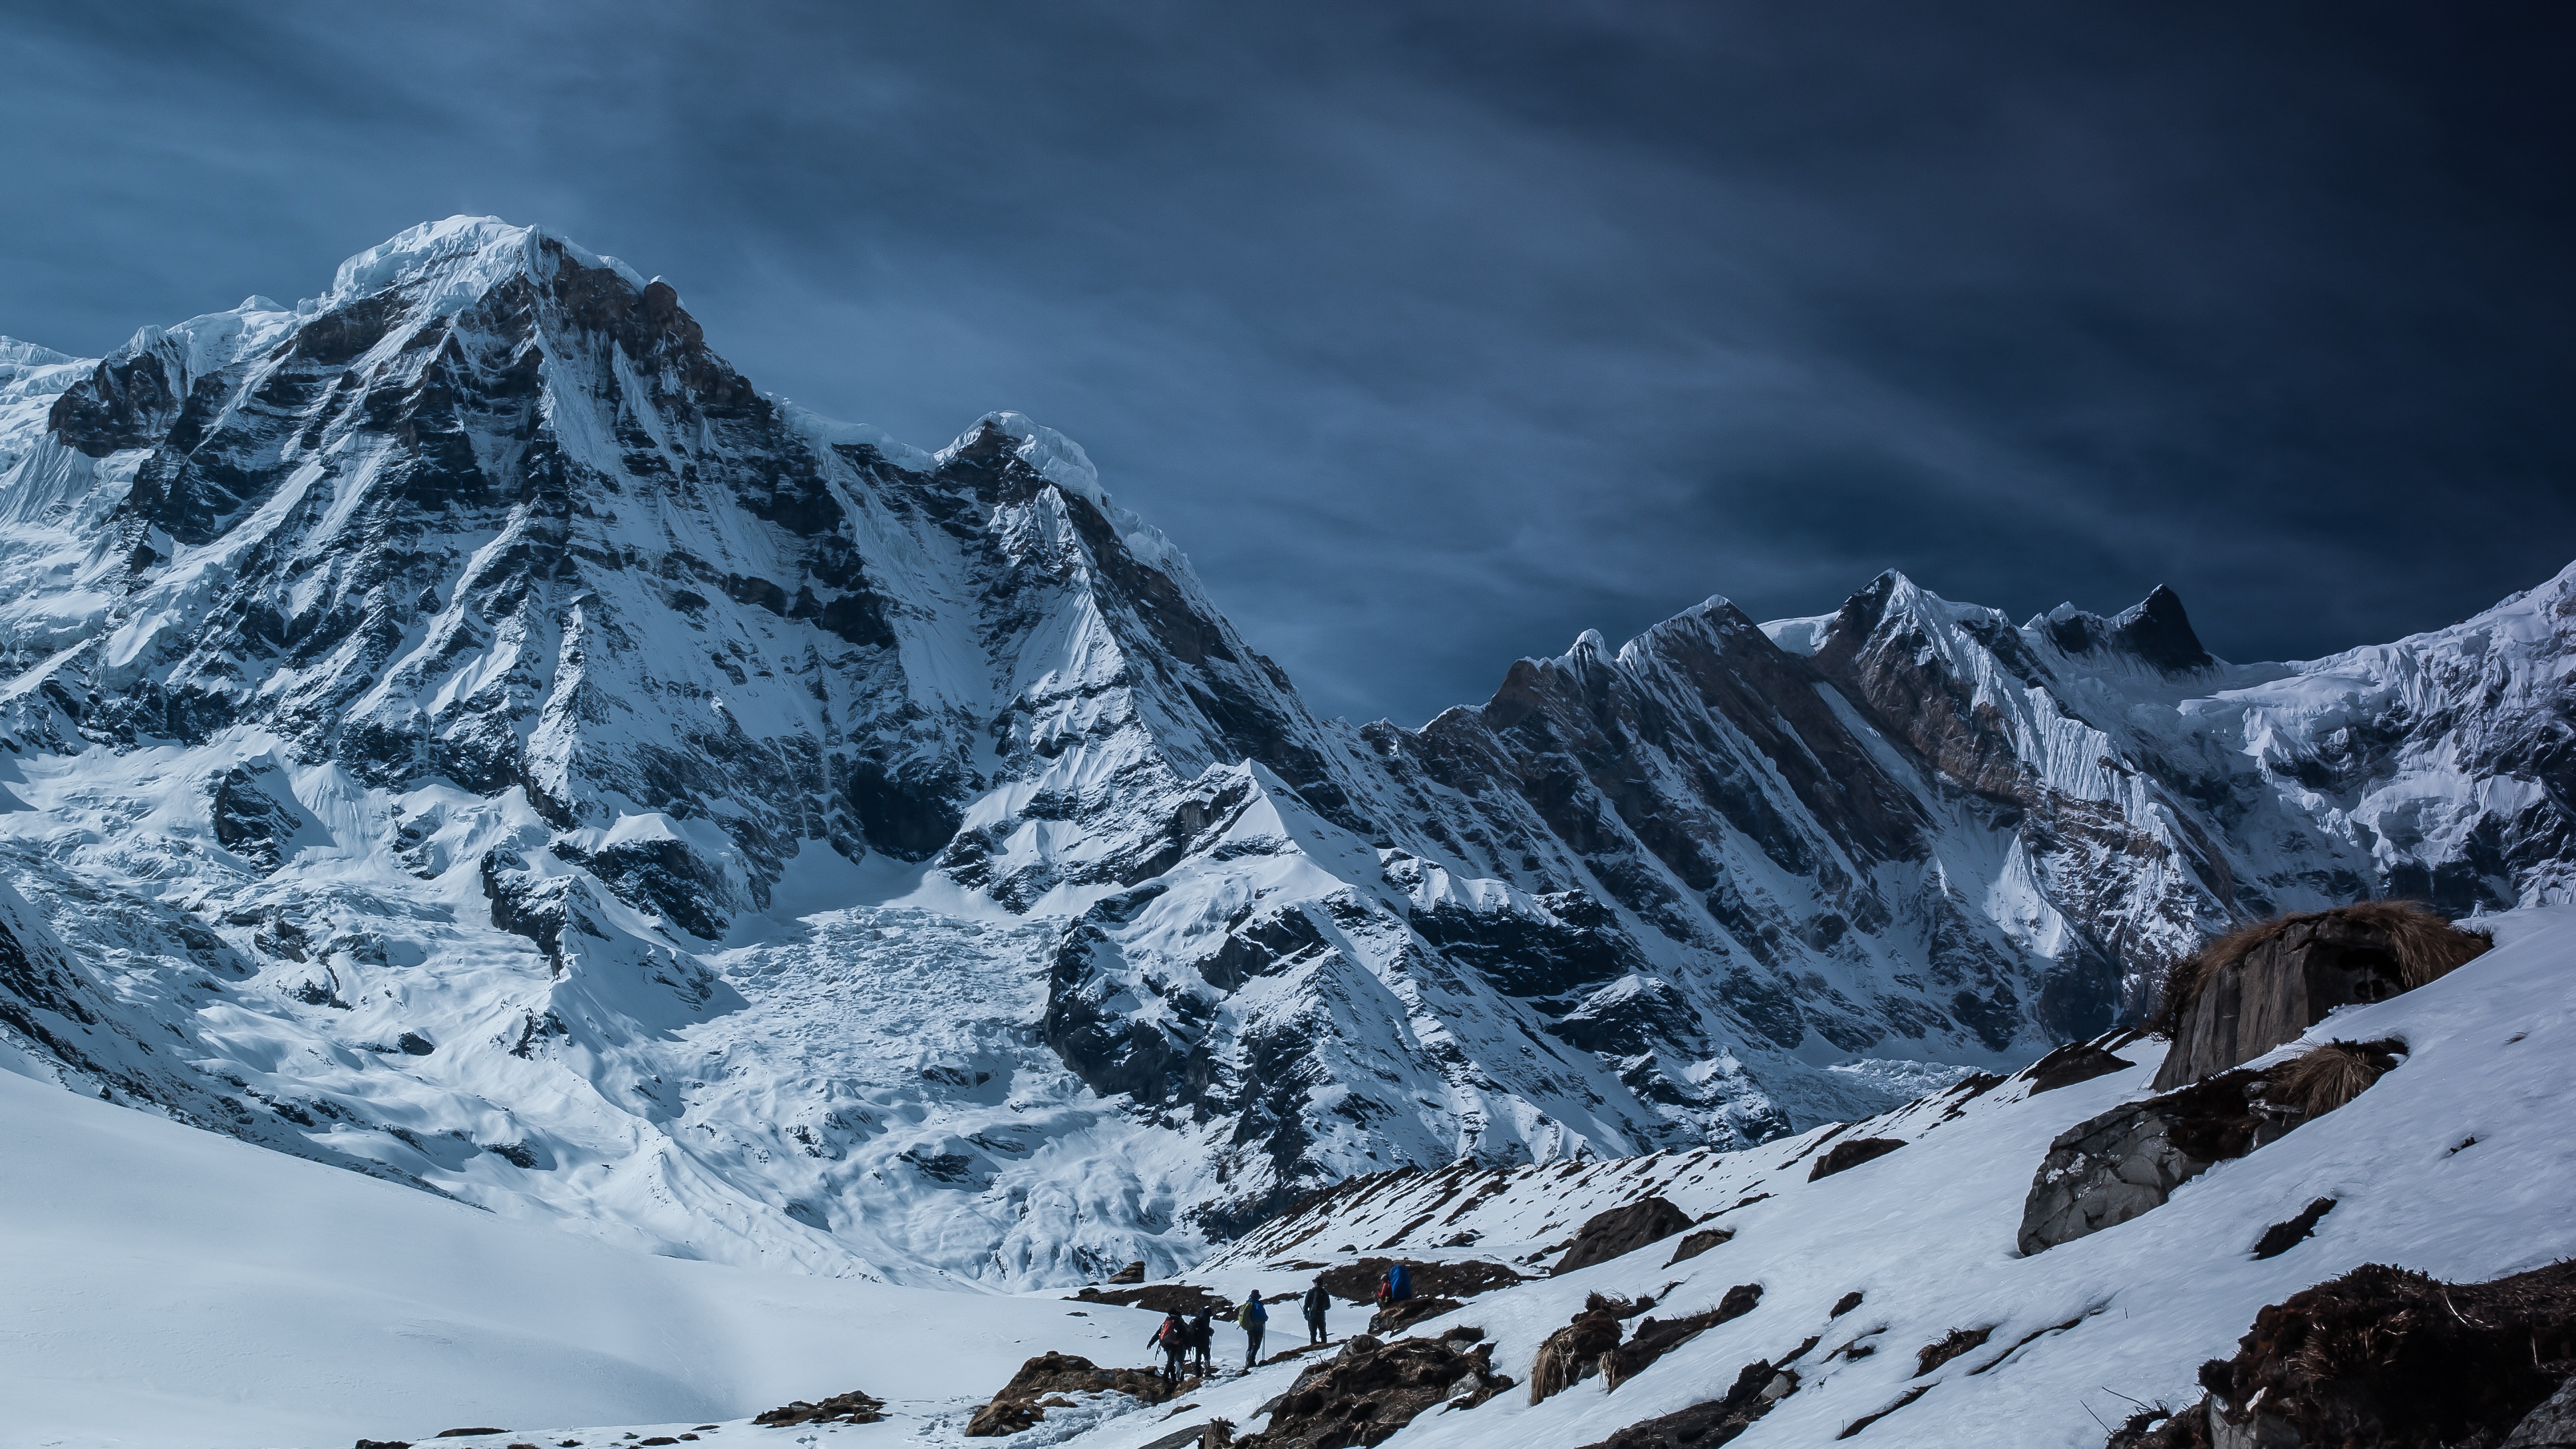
(1252, 1316)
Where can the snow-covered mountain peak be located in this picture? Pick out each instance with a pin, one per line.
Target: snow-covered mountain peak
(2154, 631)
(446, 265)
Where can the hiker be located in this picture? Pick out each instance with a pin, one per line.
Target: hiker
(1252, 1316)
(1203, 1336)
(1317, 1300)
(1385, 1290)
(1173, 1338)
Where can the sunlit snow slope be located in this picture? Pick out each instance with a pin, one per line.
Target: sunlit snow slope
(171, 1288)
(2457, 1164)
(457, 727)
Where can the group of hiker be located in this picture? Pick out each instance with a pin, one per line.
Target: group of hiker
(1183, 1338)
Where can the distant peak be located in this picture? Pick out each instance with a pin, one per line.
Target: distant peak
(29, 354)
(2155, 630)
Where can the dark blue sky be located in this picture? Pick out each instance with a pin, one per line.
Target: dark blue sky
(1437, 333)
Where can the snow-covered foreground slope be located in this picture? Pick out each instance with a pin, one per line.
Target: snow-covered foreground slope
(2458, 1164)
(457, 726)
(172, 1289)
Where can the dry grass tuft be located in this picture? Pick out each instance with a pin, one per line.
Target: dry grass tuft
(2327, 1077)
(2427, 947)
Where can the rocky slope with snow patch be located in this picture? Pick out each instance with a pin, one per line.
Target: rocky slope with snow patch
(459, 727)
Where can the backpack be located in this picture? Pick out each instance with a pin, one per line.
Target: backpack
(1253, 1314)
(1174, 1335)
(1399, 1282)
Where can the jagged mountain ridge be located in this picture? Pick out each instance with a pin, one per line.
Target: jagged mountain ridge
(445, 706)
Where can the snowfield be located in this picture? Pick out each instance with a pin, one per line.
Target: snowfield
(173, 1288)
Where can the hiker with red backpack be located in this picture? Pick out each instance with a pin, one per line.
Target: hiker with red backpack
(1173, 1338)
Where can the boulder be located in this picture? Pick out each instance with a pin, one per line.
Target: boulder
(1606, 1235)
(2108, 1169)
(1700, 1242)
(2076, 1061)
(2253, 989)
(1851, 1152)
(2551, 1426)
(1399, 1316)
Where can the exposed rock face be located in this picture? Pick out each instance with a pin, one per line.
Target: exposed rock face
(2255, 989)
(1607, 1235)
(472, 653)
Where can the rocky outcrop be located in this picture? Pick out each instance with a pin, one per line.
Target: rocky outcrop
(2382, 1358)
(1463, 1278)
(2255, 988)
(1655, 1337)
(1372, 1389)
(1758, 1386)
(1574, 1353)
(854, 1407)
(1403, 1314)
(1607, 1235)
(1021, 1404)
